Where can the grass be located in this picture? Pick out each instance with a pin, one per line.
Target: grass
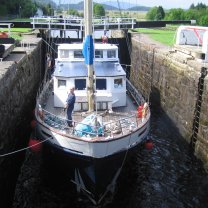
(165, 35)
(16, 32)
(139, 16)
(22, 20)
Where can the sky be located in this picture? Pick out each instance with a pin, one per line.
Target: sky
(166, 4)
(184, 4)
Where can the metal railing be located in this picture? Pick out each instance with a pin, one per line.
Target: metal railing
(66, 22)
(119, 126)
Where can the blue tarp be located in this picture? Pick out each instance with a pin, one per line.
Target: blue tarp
(88, 127)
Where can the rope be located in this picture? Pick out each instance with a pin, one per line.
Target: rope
(126, 152)
(20, 150)
(49, 46)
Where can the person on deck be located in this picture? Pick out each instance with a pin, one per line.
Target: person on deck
(105, 37)
(70, 105)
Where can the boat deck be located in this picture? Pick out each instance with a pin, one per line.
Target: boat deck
(118, 122)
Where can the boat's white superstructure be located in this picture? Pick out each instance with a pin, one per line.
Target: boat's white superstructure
(110, 78)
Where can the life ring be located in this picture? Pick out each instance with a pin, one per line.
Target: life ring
(139, 111)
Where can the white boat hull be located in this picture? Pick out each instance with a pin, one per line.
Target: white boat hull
(96, 148)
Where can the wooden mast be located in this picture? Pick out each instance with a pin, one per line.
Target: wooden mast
(88, 51)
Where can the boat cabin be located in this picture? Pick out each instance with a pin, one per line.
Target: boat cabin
(195, 39)
(110, 78)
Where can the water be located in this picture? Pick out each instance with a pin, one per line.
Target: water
(167, 176)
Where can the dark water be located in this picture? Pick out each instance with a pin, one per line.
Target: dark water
(167, 176)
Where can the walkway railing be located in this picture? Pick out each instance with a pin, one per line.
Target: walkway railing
(68, 23)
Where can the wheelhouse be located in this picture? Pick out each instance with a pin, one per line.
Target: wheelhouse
(110, 78)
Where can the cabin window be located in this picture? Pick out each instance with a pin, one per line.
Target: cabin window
(118, 83)
(80, 84)
(98, 54)
(101, 84)
(61, 83)
(64, 54)
(78, 54)
(111, 54)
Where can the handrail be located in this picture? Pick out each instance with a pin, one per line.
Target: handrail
(72, 21)
(57, 122)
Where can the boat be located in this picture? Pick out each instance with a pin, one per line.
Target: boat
(107, 125)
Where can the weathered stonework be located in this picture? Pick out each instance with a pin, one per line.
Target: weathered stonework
(20, 75)
(173, 77)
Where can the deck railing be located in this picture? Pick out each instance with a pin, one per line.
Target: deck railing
(113, 124)
(110, 128)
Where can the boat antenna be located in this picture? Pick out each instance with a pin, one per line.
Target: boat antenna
(88, 52)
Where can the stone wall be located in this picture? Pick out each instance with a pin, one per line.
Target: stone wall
(171, 78)
(20, 75)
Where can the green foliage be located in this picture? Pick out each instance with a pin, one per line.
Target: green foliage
(203, 17)
(59, 10)
(198, 13)
(21, 8)
(151, 13)
(175, 14)
(191, 14)
(73, 12)
(204, 20)
(27, 9)
(47, 9)
(3, 10)
(155, 13)
(199, 6)
(160, 13)
(98, 10)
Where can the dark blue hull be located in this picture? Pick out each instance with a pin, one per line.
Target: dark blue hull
(95, 177)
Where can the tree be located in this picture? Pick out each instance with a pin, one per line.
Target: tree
(21, 8)
(202, 17)
(27, 8)
(175, 14)
(151, 13)
(155, 13)
(204, 20)
(200, 6)
(160, 13)
(3, 10)
(47, 9)
(73, 12)
(191, 14)
(98, 10)
(192, 6)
